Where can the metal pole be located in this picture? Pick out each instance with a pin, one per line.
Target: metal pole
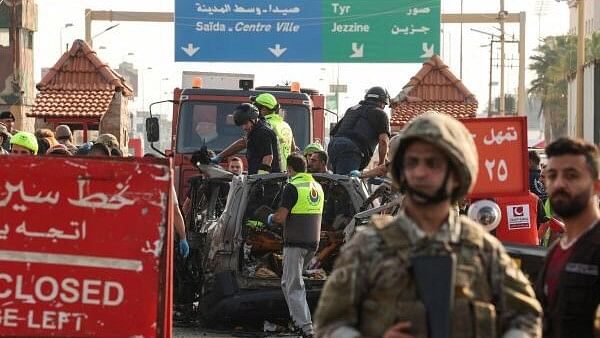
(490, 83)
(337, 91)
(88, 27)
(461, 41)
(501, 109)
(522, 95)
(580, 61)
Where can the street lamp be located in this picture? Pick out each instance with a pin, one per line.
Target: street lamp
(124, 57)
(67, 25)
(102, 32)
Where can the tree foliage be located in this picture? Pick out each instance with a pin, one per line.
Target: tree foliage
(555, 61)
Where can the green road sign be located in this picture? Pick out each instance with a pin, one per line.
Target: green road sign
(380, 30)
(307, 30)
(331, 102)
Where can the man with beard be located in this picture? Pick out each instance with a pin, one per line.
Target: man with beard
(317, 162)
(386, 280)
(569, 284)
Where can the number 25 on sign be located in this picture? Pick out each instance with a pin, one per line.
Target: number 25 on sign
(500, 171)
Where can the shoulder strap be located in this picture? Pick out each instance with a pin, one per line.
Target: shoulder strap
(392, 235)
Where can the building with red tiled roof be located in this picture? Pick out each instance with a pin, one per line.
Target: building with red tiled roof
(434, 87)
(83, 92)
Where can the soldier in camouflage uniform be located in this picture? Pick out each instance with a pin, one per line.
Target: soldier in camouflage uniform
(372, 290)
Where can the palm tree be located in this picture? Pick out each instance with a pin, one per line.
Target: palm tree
(554, 63)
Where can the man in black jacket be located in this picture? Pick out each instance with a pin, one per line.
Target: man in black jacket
(262, 150)
(354, 138)
(535, 184)
(568, 286)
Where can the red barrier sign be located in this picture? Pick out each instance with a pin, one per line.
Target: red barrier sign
(502, 146)
(83, 247)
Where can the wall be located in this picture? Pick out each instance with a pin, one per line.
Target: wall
(17, 89)
(589, 106)
(592, 17)
(116, 121)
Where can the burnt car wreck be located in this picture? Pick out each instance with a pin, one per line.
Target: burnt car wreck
(233, 273)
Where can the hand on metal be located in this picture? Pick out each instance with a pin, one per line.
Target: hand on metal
(184, 248)
(355, 173)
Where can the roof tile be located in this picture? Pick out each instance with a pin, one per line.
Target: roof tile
(54, 103)
(434, 87)
(78, 85)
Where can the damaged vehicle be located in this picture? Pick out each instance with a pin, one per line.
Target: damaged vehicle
(234, 270)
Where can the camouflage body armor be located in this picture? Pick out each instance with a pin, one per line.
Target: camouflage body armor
(368, 301)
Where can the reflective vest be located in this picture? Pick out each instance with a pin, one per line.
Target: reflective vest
(284, 137)
(303, 227)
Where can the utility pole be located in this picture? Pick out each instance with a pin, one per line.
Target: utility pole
(521, 98)
(501, 15)
(337, 92)
(461, 41)
(490, 83)
(580, 62)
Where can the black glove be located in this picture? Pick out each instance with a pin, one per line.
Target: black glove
(201, 156)
(262, 213)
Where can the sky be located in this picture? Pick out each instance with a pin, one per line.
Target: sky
(151, 45)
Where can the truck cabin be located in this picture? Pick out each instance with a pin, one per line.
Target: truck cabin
(204, 118)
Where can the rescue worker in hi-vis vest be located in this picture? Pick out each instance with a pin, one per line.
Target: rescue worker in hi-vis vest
(269, 110)
(300, 211)
(428, 272)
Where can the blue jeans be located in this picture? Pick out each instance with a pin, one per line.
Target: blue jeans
(344, 155)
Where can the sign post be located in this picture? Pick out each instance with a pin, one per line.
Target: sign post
(307, 30)
(85, 247)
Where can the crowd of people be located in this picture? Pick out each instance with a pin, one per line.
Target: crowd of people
(48, 142)
(383, 281)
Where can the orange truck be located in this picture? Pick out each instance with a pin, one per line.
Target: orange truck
(203, 116)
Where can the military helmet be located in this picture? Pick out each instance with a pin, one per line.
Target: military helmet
(378, 94)
(25, 140)
(244, 113)
(267, 100)
(108, 140)
(449, 135)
